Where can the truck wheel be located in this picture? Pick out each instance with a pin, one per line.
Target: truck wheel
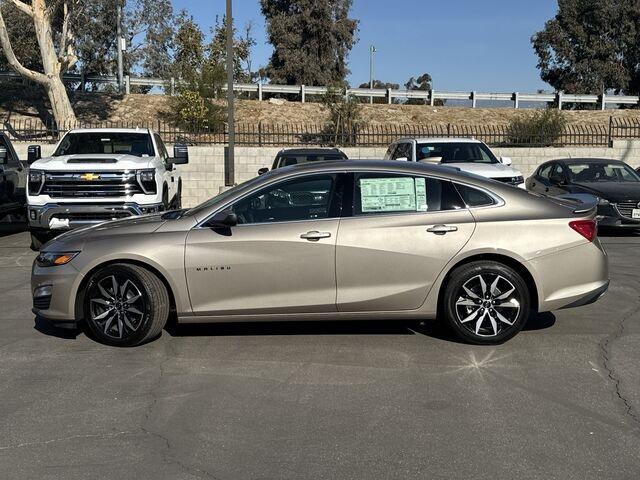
(125, 305)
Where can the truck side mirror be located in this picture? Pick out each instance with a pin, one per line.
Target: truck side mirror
(506, 161)
(34, 153)
(180, 154)
(263, 170)
(3, 155)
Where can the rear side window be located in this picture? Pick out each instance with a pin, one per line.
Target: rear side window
(391, 193)
(474, 197)
(545, 171)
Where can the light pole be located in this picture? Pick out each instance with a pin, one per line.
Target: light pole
(119, 47)
(372, 50)
(230, 157)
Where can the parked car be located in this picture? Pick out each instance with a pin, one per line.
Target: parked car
(96, 175)
(466, 154)
(13, 180)
(615, 183)
(363, 240)
(297, 156)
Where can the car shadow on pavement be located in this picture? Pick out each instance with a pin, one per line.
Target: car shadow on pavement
(46, 328)
(7, 229)
(605, 232)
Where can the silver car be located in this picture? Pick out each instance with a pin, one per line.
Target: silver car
(366, 240)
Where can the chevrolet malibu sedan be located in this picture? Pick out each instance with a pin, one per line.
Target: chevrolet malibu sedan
(367, 240)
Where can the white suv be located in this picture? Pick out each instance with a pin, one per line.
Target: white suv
(98, 175)
(466, 154)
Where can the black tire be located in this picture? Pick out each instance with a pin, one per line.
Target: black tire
(121, 326)
(494, 317)
(38, 239)
(165, 199)
(177, 200)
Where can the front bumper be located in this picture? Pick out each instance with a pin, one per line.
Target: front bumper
(53, 290)
(60, 216)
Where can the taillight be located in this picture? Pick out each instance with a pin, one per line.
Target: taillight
(587, 228)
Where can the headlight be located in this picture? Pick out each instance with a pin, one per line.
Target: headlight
(55, 259)
(147, 180)
(35, 182)
(603, 202)
(517, 180)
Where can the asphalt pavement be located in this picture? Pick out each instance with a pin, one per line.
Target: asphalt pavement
(324, 400)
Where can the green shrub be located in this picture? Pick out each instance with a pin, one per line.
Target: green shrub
(544, 128)
(344, 117)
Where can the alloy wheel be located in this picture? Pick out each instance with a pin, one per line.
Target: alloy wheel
(488, 304)
(116, 307)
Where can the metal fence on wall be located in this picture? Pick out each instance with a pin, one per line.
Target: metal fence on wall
(370, 135)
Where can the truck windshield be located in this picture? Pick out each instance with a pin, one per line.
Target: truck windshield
(87, 143)
(466, 152)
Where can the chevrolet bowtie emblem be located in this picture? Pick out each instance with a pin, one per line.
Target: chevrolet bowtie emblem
(90, 176)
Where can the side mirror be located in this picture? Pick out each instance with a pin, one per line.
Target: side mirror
(506, 161)
(3, 155)
(34, 152)
(402, 159)
(180, 154)
(263, 170)
(224, 219)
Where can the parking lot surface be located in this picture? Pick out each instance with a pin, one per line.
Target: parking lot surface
(324, 401)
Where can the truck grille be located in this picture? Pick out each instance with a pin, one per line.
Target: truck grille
(90, 184)
(626, 208)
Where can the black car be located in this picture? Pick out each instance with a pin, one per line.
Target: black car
(13, 175)
(297, 156)
(615, 183)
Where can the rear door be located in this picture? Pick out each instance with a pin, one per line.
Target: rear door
(403, 232)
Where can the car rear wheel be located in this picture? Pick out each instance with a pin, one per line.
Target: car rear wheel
(125, 305)
(486, 302)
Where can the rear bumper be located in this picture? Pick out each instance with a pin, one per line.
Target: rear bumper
(570, 278)
(72, 216)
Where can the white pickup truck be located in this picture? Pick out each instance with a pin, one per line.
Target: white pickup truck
(98, 175)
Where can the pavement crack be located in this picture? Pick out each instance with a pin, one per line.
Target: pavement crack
(607, 362)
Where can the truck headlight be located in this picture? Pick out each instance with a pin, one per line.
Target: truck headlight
(36, 182)
(147, 180)
(603, 202)
(55, 259)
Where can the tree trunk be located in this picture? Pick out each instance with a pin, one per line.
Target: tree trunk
(60, 105)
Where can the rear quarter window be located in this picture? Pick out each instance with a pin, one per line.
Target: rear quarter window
(474, 197)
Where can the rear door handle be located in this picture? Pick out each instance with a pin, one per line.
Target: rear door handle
(442, 229)
(314, 236)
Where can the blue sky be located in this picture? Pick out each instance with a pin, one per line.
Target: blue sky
(465, 45)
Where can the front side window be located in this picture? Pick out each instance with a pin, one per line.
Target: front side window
(89, 143)
(545, 172)
(307, 198)
(463, 152)
(391, 193)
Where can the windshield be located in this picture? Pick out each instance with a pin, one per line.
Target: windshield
(87, 143)
(288, 160)
(456, 153)
(602, 172)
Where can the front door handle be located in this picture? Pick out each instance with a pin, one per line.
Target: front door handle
(314, 236)
(442, 229)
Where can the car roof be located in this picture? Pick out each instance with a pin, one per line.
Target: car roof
(570, 161)
(439, 140)
(308, 151)
(110, 130)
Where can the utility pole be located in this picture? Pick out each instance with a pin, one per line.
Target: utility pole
(372, 50)
(230, 157)
(119, 47)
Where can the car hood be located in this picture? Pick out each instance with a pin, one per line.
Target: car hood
(96, 163)
(488, 170)
(612, 191)
(75, 239)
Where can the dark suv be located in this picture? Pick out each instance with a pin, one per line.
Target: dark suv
(297, 156)
(13, 175)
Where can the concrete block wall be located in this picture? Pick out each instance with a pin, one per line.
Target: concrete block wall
(204, 175)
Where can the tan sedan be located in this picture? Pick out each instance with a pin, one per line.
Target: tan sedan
(366, 240)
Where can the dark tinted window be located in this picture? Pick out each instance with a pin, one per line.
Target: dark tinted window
(474, 197)
(307, 198)
(87, 143)
(288, 160)
(377, 193)
(545, 171)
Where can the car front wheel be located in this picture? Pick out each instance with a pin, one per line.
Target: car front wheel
(486, 302)
(125, 305)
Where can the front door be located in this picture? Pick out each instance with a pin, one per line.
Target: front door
(279, 259)
(404, 230)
